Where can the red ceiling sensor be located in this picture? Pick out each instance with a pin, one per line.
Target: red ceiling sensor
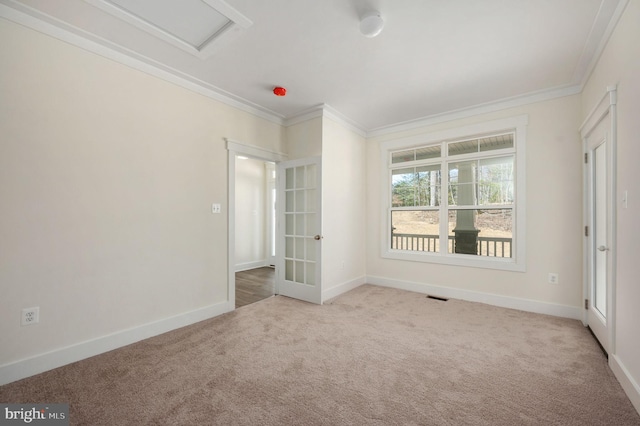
(279, 91)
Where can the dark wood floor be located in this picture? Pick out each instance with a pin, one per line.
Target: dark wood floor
(254, 285)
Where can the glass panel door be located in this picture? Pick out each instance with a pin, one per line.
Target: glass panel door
(299, 231)
(599, 218)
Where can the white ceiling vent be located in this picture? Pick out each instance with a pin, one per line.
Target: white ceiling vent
(196, 26)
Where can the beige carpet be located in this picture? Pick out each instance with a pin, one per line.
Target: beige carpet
(373, 356)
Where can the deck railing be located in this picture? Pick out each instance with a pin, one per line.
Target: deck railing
(487, 246)
(415, 242)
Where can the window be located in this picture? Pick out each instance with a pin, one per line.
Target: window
(457, 197)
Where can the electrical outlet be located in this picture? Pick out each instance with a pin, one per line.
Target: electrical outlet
(30, 316)
(553, 278)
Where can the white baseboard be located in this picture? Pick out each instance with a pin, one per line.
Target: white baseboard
(630, 386)
(528, 305)
(251, 265)
(57, 358)
(335, 291)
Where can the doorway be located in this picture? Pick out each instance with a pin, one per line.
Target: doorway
(599, 240)
(598, 134)
(236, 149)
(254, 230)
(297, 227)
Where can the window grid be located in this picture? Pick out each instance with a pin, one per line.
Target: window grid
(493, 147)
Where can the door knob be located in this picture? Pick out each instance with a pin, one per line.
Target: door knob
(317, 237)
(603, 248)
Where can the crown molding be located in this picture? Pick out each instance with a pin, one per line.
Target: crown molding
(48, 25)
(304, 115)
(604, 25)
(335, 115)
(608, 17)
(325, 111)
(529, 98)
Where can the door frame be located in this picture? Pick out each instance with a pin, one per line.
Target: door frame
(272, 214)
(605, 109)
(235, 148)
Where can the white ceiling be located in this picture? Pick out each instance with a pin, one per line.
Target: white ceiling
(433, 56)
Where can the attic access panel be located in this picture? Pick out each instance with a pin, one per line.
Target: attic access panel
(196, 26)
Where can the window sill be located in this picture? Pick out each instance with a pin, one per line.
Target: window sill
(471, 261)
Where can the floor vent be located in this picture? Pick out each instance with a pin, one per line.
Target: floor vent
(442, 299)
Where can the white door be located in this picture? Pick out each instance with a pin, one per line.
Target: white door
(299, 229)
(599, 250)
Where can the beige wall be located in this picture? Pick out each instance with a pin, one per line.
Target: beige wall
(553, 213)
(304, 139)
(107, 176)
(343, 205)
(620, 65)
(343, 155)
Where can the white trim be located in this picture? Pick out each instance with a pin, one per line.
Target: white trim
(518, 262)
(591, 51)
(629, 385)
(49, 360)
(527, 305)
(581, 75)
(526, 99)
(246, 266)
(231, 225)
(255, 151)
(342, 119)
(470, 261)
(458, 132)
(613, 226)
(304, 115)
(339, 289)
(270, 189)
(598, 111)
(45, 24)
(586, 222)
(606, 107)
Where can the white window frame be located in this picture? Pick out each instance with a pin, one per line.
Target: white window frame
(517, 125)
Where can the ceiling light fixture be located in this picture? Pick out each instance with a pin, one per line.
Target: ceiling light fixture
(371, 24)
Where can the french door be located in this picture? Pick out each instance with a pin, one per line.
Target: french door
(599, 202)
(299, 229)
